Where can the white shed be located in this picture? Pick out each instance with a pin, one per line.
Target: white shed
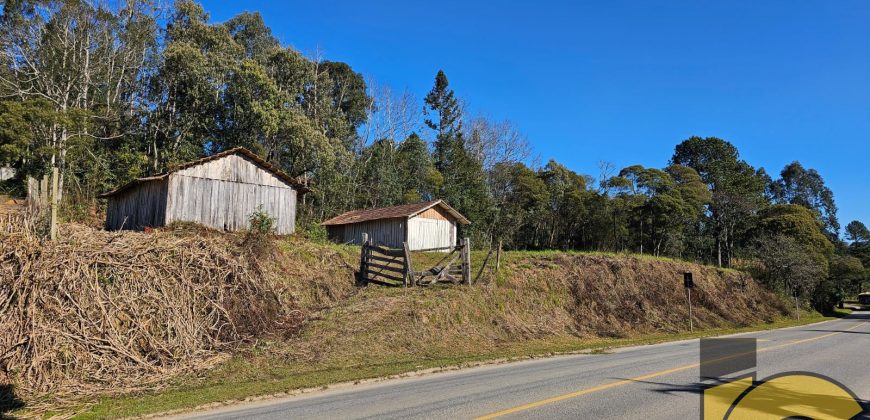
(219, 191)
(427, 225)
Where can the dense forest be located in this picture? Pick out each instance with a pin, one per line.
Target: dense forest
(110, 93)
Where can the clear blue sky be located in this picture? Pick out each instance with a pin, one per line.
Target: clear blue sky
(624, 81)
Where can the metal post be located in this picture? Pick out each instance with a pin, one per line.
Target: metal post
(691, 326)
(54, 203)
(797, 307)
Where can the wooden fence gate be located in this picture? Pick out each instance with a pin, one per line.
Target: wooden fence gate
(394, 267)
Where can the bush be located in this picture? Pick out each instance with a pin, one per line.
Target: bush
(258, 238)
(314, 232)
(261, 222)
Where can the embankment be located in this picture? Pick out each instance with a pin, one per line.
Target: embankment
(99, 313)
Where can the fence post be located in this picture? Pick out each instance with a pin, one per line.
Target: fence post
(498, 257)
(409, 267)
(466, 261)
(363, 260)
(54, 203)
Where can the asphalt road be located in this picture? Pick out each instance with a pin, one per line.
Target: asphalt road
(651, 382)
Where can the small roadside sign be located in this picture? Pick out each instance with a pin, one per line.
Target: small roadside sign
(688, 282)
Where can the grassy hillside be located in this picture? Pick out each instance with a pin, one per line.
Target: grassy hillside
(324, 328)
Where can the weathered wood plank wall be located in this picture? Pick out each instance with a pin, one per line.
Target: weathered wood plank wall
(139, 207)
(234, 168)
(228, 205)
(386, 232)
(222, 194)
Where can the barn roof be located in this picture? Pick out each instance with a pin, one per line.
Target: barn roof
(405, 210)
(235, 151)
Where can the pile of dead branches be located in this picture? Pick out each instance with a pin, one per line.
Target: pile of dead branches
(99, 312)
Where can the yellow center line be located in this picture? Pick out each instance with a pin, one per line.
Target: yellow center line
(615, 384)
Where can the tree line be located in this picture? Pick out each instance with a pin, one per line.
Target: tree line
(111, 93)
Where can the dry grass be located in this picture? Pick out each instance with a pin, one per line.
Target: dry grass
(98, 312)
(110, 313)
(553, 297)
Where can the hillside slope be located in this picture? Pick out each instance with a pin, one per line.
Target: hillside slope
(112, 313)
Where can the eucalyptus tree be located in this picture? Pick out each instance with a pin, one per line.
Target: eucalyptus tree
(805, 187)
(737, 190)
(87, 61)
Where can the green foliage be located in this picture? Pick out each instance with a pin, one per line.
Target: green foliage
(261, 222)
(737, 192)
(191, 88)
(805, 187)
(857, 232)
(314, 232)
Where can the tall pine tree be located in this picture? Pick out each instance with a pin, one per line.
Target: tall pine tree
(464, 179)
(446, 121)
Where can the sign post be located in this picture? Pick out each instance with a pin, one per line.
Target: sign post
(689, 284)
(797, 307)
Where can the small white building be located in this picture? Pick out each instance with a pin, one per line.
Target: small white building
(427, 225)
(6, 172)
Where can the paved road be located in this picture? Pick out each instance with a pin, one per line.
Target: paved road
(650, 382)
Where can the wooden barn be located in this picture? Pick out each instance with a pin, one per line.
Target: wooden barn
(427, 225)
(220, 191)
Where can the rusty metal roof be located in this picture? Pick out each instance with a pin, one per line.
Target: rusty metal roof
(405, 210)
(234, 151)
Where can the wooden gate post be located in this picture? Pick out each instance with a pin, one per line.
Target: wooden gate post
(409, 267)
(363, 260)
(466, 261)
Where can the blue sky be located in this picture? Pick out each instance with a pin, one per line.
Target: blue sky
(624, 82)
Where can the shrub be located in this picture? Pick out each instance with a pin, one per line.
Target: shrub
(258, 238)
(314, 232)
(261, 222)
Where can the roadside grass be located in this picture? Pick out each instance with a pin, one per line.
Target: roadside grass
(255, 374)
(529, 308)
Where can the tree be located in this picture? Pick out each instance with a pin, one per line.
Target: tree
(464, 184)
(521, 197)
(857, 232)
(88, 61)
(187, 88)
(806, 187)
(737, 190)
(496, 142)
(447, 123)
(566, 207)
(381, 177)
(249, 31)
(421, 181)
(790, 267)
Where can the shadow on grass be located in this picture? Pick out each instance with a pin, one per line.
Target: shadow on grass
(9, 401)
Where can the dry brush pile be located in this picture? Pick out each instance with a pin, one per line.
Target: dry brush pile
(97, 311)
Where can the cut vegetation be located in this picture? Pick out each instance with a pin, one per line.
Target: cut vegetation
(209, 318)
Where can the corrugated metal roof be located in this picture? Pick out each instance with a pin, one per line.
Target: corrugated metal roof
(405, 210)
(234, 151)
